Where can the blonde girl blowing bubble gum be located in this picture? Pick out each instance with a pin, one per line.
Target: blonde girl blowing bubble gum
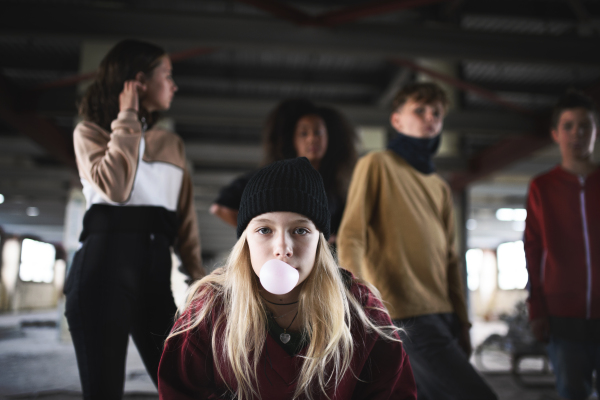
(324, 336)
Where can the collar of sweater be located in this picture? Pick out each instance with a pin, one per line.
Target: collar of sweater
(418, 152)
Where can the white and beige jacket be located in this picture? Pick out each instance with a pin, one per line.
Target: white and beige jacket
(129, 167)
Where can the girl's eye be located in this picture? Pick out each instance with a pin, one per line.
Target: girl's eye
(301, 231)
(568, 126)
(264, 231)
(419, 110)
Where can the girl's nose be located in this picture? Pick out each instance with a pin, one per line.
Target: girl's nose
(282, 249)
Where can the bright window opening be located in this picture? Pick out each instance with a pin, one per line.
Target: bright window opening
(511, 214)
(512, 273)
(474, 267)
(471, 224)
(37, 261)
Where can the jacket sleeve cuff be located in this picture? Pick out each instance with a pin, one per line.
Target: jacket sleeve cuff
(127, 122)
(464, 319)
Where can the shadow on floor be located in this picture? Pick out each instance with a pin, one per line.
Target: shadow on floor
(72, 395)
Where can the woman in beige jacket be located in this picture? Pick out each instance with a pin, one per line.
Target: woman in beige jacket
(139, 204)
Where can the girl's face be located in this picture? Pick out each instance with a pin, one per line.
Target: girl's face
(286, 236)
(160, 87)
(310, 138)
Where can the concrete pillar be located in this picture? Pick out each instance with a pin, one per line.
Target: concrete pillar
(371, 138)
(461, 214)
(76, 208)
(92, 52)
(9, 275)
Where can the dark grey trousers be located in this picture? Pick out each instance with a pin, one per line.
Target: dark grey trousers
(440, 366)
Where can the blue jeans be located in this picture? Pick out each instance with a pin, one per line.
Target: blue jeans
(573, 363)
(440, 366)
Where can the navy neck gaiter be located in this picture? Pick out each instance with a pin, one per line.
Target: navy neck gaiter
(417, 152)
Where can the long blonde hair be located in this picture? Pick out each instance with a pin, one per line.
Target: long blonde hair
(326, 308)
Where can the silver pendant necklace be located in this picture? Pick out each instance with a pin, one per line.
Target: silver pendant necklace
(285, 337)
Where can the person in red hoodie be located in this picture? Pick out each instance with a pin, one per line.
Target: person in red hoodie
(326, 336)
(562, 248)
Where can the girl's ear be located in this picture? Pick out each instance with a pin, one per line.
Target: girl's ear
(140, 77)
(555, 135)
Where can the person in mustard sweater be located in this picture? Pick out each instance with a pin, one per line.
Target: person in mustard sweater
(398, 234)
(139, 205)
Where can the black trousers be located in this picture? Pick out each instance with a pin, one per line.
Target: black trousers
(118, 284)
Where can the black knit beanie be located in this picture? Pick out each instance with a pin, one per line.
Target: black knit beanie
(289, 185)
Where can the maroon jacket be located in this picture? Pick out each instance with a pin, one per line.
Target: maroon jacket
(187, 368)
(562, 245)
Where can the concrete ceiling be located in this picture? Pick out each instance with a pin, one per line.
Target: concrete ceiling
(234, 61)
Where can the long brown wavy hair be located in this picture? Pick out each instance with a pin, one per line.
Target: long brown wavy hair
(100, 103)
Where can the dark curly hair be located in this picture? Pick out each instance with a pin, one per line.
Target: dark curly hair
(100, 103)
(339, 160)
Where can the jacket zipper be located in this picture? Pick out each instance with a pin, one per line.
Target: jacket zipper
(586, 241)
(543, 266)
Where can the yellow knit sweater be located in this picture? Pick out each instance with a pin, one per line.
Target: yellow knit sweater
(398, 234)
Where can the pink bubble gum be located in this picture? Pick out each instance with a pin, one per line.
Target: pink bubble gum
(278, 277)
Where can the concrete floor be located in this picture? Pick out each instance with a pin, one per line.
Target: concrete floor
(34, 363)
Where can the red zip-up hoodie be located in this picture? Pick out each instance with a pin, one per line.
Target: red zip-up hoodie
(562, 245)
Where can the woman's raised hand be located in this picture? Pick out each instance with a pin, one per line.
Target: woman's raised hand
(129, 97)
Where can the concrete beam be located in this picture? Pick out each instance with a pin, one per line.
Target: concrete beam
(400, 79)
(184, 30)
(339, 16)
(45, 173)
(225, 155)
(497, 157)
(19, 146)
(216, 111)
(41, 130)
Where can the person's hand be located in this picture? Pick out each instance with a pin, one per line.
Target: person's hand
(464, 340)
(228, 215)
(129, 98)
(540, 327)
